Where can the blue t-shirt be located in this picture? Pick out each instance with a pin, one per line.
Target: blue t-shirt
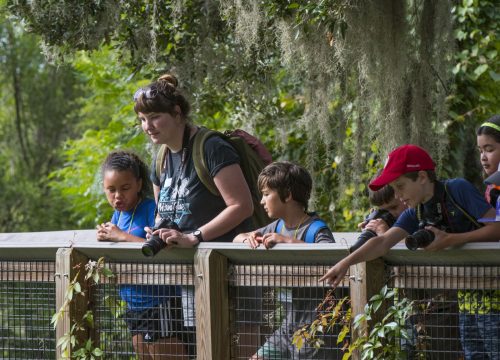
(134, 221)
(465, 195)
(141, 297)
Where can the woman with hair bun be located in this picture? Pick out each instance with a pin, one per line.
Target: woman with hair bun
(163, 112)
(181, 197)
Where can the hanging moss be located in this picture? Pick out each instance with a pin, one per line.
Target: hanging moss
(367, 75)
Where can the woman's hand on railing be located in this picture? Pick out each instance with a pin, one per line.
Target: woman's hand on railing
(174, 238)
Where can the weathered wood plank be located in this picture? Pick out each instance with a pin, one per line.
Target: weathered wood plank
(212, 306)
(446, 277)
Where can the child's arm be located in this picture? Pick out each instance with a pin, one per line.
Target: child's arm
(111, 232)
(489, 232)
(271, 239)
(253, 239)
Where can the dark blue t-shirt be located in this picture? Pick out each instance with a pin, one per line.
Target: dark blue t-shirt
(465, 195)
(141, 297)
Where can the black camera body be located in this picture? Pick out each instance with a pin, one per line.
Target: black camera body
(155, 243)
(422, 237)
(368, 234)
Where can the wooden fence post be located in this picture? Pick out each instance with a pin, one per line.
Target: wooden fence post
(68, 263)
(211, 305)
(366, 280)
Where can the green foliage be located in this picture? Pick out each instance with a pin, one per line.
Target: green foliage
(110, 123)
(379, 328)
(329, 84)
(331, 315)
(474, 95)
(381, 340)
(69, 343)
(37, 105)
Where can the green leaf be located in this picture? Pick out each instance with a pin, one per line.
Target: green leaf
(107, 272)
(78, 288)
(480, 70)
(494, 76)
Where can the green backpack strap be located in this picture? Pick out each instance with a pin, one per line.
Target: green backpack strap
(199, 158)
(161, 156)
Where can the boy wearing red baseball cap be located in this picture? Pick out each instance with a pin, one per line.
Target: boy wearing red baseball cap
(409, 170)
(453, 206)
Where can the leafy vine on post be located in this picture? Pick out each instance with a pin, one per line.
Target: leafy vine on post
(382, 340)
(72, 345)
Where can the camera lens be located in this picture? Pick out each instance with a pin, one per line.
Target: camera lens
(364, 237)
(153, 246)
(419, 239)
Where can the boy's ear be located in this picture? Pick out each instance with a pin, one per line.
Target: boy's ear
(289, 197)
(422, 176)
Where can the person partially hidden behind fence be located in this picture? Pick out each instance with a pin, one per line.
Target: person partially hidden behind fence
(441, 213)
(382, 217)
(149, 314)
(286, 188)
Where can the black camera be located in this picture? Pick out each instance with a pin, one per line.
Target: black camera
(368, 234)
(155, 243)
(420, 238)
(432, 216)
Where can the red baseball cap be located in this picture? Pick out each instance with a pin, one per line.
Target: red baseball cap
(402, 160)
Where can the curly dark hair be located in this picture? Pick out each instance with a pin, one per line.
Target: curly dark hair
(122, 160)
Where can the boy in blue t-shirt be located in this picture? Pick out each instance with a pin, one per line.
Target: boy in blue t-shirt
(457, 205)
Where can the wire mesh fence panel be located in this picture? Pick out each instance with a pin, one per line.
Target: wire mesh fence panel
(146, 311)
(27, 303)
(457, 311)
(269, 303)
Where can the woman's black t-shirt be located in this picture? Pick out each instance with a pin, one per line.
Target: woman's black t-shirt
(183, 197)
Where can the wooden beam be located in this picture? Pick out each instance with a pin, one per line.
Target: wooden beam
(68, 264)
(212, 306)
(366, 280)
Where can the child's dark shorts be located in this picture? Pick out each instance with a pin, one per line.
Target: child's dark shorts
(162, 321)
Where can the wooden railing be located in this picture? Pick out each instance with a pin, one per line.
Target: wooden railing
(210, 263)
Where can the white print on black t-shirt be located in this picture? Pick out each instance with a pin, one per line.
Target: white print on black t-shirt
(169, 196)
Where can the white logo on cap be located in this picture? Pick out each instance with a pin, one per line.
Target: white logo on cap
(386, 161)
(412, 165)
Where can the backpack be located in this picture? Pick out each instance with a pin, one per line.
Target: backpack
(253, 158)
(311, 232)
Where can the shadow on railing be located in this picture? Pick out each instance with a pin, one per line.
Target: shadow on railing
(225, 301)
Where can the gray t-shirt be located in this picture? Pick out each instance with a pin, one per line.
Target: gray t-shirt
(183, 197)
(299, 304)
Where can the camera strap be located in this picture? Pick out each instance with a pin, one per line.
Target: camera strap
(441, 193)
(177, 174)
(466, 214)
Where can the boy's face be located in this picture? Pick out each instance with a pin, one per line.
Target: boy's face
(272, 203)
(395, 207)
(410, 192)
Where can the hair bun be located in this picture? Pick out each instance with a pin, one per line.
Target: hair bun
(169, 79)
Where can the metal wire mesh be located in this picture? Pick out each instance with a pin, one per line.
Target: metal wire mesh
(269, 303)
(457, 311)
(147, 310)
(27, 303)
